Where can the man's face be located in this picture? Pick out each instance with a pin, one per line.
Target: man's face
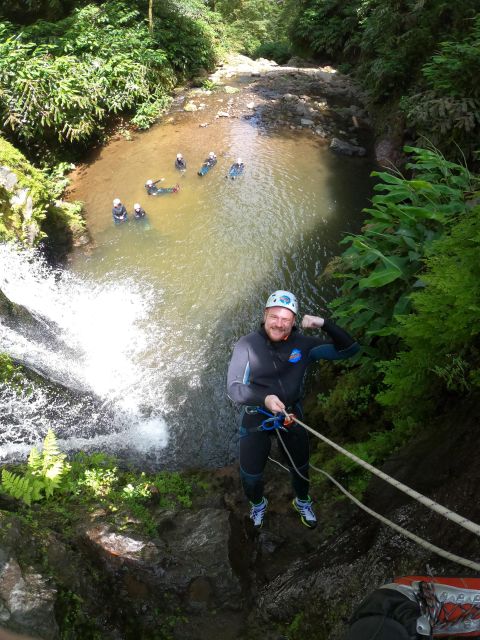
(279, 322)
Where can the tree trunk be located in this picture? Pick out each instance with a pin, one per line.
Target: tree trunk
(150, 16)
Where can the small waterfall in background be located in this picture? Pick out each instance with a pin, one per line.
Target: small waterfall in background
(86, 342)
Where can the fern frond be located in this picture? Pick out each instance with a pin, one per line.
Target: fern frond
(35, 461)
(50, 448)
(17, 486)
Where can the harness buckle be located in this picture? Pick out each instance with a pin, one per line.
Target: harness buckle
(251, 409)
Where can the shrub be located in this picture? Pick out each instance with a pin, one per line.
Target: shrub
(448, 110)
(441, 351)
(384, 264)
(42, 476)
(278, 51)
(60, 82)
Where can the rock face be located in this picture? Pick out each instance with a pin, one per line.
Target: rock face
(27, 598)
(190, 560)
(204, 573)
(28, 209)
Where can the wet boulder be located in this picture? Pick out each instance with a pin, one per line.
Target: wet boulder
(189, 559)
(27, 597)
(346, 148)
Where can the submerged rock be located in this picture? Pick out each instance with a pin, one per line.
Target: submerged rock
(346, 148)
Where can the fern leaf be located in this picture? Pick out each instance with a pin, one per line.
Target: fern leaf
(35, 460)
(50, 448)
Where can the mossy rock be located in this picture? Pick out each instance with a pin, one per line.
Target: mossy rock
(29, 211)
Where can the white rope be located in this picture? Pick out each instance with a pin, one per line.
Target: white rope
(428, 502)
(411, 536)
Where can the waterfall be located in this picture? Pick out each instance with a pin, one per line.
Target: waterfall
(88, 341)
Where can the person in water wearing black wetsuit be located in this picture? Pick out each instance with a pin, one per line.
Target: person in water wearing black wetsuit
(212, 159)
(139, 212)
(151, 186)
(266, 372)
(119, 212)
(180, 162)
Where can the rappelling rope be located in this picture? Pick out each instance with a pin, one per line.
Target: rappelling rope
(428, 502)
(411, 536)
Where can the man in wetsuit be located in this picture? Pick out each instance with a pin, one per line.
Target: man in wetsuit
(266, 372)
(139, 212)
(151, 186)
(119, 211)
(180, 162)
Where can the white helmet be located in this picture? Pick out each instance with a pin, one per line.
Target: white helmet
(137, 205)
(239, 161)
(211, 154)
(179, 156)
(116, 202)
(283, 299)
(149, 183)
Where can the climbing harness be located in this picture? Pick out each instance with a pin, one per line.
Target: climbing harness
(447, 513)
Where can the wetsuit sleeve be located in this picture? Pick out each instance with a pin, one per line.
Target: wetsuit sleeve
(385, 614)
(239, 387)
(343, 346)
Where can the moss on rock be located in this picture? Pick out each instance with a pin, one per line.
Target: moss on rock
(29, 211)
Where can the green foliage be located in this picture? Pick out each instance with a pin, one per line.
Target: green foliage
(448, 110)
(440, 351)
(278, 51)
(410, 294)
(382, 267)
(100, 482)
(209, 85)
(374, 450)
(9, 373)
(349, 402)
(173, 489)
(42, 476)
(187, 39)
(423, 53)
(61, 81)
(47, 216)
(252, 23)
(326, 26)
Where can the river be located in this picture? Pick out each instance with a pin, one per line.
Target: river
(149, 313)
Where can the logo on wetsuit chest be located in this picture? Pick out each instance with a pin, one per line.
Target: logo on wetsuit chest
(295, 356)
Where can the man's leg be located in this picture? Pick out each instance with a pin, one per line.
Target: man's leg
(295, 450)
(254, 452)
(295, 447)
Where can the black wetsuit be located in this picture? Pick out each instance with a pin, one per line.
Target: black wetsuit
(119, 213)
(260, 367)
(180, 164)
(139, 213)
(152, 189)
